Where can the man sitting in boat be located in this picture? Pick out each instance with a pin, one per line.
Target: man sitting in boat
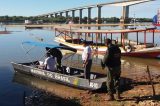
(49, 63)
(57, 54)
(87, 59)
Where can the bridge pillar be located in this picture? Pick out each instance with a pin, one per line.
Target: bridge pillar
(73, 14)
(80, 16)
(89, 16)
(99, 15)
(125, 14)
(51, 15)
(66, 14)
(61, 14)
(55, 15)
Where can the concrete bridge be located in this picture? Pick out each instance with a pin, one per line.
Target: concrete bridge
(124, 4)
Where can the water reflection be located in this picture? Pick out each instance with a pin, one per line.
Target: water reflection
(58, 89)
(10, 46)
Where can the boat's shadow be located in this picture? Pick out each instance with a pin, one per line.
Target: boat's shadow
(125, 85)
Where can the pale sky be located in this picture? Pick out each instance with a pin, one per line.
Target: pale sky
(38, 7)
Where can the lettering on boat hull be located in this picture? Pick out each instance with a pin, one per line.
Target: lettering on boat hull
(93, 85)
(34, 71)
(62, 78)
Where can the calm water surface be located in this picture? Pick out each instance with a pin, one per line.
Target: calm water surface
(11, 93)
(13, 86)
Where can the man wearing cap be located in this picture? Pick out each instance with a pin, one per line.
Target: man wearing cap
(87, 59)
(49, 63)
(112, 64)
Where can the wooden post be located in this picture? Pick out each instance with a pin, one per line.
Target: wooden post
(137, 38)
(106, 35)
(153, 36)
(144, 37)
(78, 38)
(101, 38)
(150, 80)
(111, 36)
(96, 38)
(123, 40)
(92, 37)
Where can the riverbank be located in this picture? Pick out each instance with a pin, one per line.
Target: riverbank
(137, 91)
(137, 94)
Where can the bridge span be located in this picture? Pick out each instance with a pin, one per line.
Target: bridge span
(124, 4)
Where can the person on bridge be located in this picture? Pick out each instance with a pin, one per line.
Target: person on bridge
(87, 59)
(112, 64)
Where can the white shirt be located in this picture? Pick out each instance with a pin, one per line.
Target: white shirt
(87, 50)
(51, 63)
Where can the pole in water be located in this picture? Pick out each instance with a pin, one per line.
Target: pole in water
(150, 80)
(24, 95)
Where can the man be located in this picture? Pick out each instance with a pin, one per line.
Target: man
(57, 54)
(87, 59)
(50, 63)
(112, 64)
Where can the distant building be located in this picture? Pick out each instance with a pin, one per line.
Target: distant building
(27, 22)
(39, 22)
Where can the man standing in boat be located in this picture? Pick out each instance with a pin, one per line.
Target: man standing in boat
(87, 59)
(112, 64)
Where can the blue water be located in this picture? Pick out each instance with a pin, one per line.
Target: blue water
(11, 93)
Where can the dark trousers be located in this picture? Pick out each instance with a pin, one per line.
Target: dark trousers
(87, 69)
(113, 79)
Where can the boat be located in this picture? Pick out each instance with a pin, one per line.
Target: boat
(73, 38)
(70, 76)
(33, 27)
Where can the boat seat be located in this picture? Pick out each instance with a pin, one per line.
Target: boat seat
(100, 79)
(79, 75)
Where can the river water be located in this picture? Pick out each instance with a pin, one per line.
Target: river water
(13, 86)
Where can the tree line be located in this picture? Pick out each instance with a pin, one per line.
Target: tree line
(61, 19)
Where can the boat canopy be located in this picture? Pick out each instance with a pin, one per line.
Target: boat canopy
(43, 44)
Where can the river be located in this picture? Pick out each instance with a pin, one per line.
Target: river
(12, 87)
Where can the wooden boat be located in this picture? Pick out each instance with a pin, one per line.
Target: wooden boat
(33, 27)
(72, 38)
(67, 75)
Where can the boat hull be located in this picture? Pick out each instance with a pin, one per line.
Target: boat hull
(153, 52)
(58, 77)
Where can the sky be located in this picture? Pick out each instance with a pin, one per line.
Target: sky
(38, 7)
